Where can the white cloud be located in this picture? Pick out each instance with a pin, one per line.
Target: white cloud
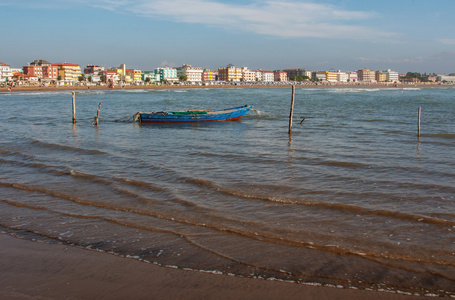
(446, 41)
(274, 18)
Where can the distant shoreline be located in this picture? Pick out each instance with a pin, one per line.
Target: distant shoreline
(216, 86)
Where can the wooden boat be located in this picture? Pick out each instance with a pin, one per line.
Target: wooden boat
(229, 114)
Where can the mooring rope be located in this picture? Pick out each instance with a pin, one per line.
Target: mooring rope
(135, 116)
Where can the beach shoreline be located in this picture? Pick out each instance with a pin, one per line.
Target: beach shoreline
(33, 270)
(34, 88)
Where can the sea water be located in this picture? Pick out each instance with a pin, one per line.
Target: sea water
(353, 198)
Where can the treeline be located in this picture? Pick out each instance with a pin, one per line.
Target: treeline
(417, 75)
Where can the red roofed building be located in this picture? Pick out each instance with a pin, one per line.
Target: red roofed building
(111, 76)
(41, 69)
(5, 72)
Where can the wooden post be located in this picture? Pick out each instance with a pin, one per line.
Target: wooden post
(292, 109)
(418, 122)
(97, 114)
(74, 108)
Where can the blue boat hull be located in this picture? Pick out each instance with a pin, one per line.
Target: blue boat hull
(229, 114)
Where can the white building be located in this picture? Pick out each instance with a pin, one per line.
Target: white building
(267, 76)
(192, 74)
(320, 75)
(6, 73)
(248, 75)
(445, 78)
(392, 76)
(342, 76)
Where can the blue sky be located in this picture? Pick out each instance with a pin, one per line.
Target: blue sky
(403, 35)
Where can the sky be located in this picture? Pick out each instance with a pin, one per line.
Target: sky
(347, 35)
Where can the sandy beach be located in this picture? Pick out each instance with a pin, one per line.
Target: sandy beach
(33, 88)
(32, 270)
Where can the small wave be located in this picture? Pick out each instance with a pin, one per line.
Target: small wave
(325, 205)
(90, 92)
(65, 147)
(135, 91)
(38, 93)
(355, 90)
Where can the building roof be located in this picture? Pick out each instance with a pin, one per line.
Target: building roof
(66, 64)
(4, 65)
(40, 62)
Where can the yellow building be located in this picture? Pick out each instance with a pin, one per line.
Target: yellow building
(229, 73)
(133, 75)
(381, 76)
(68, 72)
(331, 76)
(209, 75)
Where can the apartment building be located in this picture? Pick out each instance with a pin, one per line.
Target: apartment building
(392, 76)
(248, 75)
(279, 75)
(353, 76)
(41, 69)
(266, 76)
(93, 70)
(5, 72)
(192, 74)
(319, 75)
(342, 76)
(445, 78)
(229, 73)
(209, 75)
(366, 75)
(381, 76)
(134, 75)
(167, 74)
(152, 76)
(109, 75)
(298, 73)
(68, 71)
(331, 76)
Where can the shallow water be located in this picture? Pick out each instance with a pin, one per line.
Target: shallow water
(353, 198)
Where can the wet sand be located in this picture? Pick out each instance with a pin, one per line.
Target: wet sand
(32, 270)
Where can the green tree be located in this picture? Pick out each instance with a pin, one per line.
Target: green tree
(183, 78)
(413, 75)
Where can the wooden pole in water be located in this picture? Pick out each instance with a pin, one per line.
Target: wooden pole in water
(74, 108)
(418, 122)
(97, 114)
(292, 109)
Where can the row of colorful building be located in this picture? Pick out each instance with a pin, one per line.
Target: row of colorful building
(44, 72)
